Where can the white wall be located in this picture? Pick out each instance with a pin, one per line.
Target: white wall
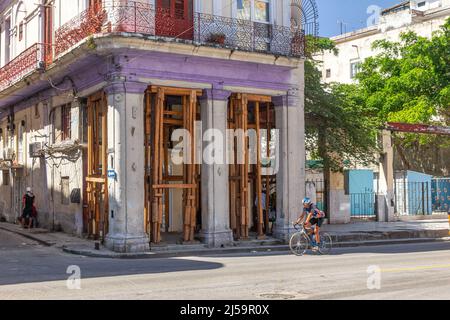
(30, 13)
(43, 175)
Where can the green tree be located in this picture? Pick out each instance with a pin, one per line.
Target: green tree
(409, 81)
(338, 127)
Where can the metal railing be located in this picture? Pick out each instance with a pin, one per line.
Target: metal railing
(412, 198)
(202, 29)
(142, 18)
(362, 205)
(36, 56)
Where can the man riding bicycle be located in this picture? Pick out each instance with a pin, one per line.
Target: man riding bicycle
(314, 217)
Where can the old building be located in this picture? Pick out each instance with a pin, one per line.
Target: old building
(92, 92)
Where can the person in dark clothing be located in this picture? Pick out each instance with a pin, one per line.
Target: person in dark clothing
(28, 208)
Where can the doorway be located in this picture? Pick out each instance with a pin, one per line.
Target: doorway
(18, 192)
(175, 19)
(48, 33)
(95, 5)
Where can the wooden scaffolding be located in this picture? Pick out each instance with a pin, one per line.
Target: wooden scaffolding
(248, 112)
(96, 183)
(160, 121)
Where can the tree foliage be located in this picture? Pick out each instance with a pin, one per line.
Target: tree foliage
(338, 128)
(409, 80)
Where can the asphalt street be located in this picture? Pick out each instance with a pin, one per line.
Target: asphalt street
(410, 271)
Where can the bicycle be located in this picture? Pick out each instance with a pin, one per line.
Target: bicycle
(300, 242)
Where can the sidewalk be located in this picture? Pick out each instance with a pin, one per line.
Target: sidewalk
(349, 235)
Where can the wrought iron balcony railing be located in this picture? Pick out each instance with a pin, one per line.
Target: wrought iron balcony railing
(202, 29)
(142, 18)
(35, 57)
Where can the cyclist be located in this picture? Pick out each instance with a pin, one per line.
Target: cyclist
(314, 217)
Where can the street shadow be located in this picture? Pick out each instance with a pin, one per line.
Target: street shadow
(34, 267)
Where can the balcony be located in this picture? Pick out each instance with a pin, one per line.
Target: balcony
(201, 29)
(141, 18)
(35, 57)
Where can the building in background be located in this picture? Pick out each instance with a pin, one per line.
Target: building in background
(348, 202)
(423, 17)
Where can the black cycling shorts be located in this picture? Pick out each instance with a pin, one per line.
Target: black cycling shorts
(318, 221)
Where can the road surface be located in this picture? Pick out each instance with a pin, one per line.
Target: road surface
(413, 271)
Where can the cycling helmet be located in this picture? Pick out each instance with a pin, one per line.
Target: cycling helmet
(307, 201)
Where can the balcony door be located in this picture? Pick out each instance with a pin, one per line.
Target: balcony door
(95, 5)
(7, 40)
(48, 33)
(175, 19)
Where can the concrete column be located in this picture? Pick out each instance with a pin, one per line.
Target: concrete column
(126, 160)
(338, 202)
(291, 158)
(215, 191)
(385, 198)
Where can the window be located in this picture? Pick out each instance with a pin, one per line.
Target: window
(422, 4)
(20, 137)
(36, 111)
(255, 10)
(262, 12)
(65, 196)
(66, 122)
(355, 68)
(328, 73)
(21, 31)
(61, 120)
(5, 177)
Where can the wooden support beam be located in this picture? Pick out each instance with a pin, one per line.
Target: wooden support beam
(258, 174)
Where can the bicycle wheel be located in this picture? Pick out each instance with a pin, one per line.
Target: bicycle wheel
(326, 244)
(298, 244)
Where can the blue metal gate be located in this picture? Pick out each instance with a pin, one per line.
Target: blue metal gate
(362, 205)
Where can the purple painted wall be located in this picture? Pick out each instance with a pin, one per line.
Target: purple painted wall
(92, 69)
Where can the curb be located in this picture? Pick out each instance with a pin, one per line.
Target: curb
(402, 239)
(28, 236)
(173, 254)
(225, 251)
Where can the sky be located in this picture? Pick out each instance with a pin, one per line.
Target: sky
(352, 12)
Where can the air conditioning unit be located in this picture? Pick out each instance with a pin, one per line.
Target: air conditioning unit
(36, 150)
(8, 154)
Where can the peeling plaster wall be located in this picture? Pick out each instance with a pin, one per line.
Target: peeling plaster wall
(43, 175)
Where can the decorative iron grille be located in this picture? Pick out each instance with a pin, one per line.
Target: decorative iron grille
(202, 29)
(142, 18)
(36, 56)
